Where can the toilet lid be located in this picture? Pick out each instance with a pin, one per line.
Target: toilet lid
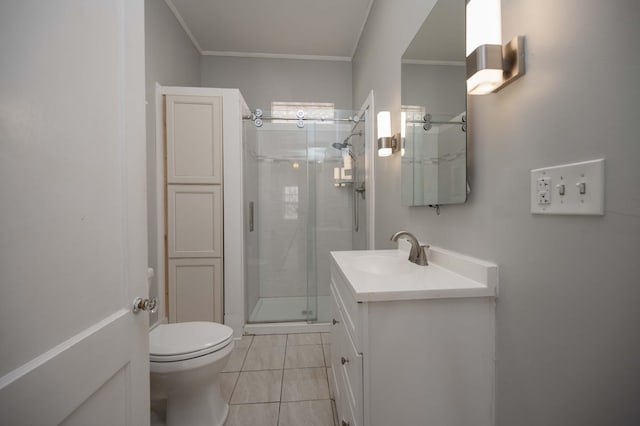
(170, 342)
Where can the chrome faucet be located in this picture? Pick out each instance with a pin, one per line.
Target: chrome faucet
(417, 255)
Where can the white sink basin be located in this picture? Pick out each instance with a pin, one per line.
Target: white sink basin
(383, 265)
(386, 275)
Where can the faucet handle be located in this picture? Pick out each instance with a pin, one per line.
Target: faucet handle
(422, 256)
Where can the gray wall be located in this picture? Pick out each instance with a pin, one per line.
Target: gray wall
(441, 89)
(568, 314)
(170, 60)
(262, 81)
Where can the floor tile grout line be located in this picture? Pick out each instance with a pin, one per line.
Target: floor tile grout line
(334, 413)
(286, 340)
(234, 387)
(282, 402)
(324, 359)
(245, 355)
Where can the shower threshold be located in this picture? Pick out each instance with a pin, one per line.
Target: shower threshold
(287, 328)
(273, 315)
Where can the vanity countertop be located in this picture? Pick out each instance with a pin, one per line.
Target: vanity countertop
(387, 275)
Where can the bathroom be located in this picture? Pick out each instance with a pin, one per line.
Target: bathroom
(566, 317)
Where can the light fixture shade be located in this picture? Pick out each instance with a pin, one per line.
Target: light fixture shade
(384, 152)
(387, 144)
(403, 131)
(483, 48)
(384, 124)
(484, 24)
(484, 81)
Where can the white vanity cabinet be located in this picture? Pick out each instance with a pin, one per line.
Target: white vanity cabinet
(408, 352)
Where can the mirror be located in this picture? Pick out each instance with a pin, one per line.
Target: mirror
(434, 103)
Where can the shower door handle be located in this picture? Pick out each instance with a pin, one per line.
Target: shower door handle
(251, 216)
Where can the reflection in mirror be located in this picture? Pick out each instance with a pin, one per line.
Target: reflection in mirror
(434, 102)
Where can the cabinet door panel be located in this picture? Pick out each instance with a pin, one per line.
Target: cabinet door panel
(194, 139)
(195, 290)
(351, 367)
(195, 221)
(336, 340)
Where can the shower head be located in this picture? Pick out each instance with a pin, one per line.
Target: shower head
(339, 145)
(345, 143)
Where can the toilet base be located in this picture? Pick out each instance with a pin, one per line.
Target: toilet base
(203, 405)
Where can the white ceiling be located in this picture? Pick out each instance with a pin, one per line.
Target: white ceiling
(323, 29)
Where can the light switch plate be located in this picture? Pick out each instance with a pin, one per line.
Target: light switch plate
(569, 179)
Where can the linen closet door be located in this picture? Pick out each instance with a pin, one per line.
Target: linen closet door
(194, 220)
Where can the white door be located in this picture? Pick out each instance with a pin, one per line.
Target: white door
(72, 213)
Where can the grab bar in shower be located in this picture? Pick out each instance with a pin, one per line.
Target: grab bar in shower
(356, 203)
(250, 216)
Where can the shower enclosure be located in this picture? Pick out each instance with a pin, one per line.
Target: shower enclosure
(303, 189)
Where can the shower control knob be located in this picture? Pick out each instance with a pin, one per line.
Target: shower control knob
(149, 305)
(334, 321)
(343, 360)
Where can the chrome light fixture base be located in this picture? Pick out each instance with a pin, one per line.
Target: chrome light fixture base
(509, 58)
(388, 144)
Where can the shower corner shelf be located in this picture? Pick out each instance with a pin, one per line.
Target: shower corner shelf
(341, 183)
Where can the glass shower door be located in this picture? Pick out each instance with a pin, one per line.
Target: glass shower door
(300, 177)
(279, 287)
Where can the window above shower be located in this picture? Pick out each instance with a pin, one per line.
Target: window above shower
(311, 110)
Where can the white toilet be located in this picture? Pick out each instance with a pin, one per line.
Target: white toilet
(185, 362)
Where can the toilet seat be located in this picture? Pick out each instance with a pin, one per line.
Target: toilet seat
(187, 340)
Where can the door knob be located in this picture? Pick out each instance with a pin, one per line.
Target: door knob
(344, 360)
(334, 321)
(149, 305)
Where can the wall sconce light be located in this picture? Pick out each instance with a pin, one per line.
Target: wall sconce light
(490, 65)
(403, 131)
(387, 144)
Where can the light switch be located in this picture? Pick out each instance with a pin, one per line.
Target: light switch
(579, 189)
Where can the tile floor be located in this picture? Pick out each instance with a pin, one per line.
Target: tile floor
(279, 380)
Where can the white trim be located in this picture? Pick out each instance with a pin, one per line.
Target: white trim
(276, 56)
(369, 170)
(160, 270)
(433, 62)
(184, 25)
(364, 24)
